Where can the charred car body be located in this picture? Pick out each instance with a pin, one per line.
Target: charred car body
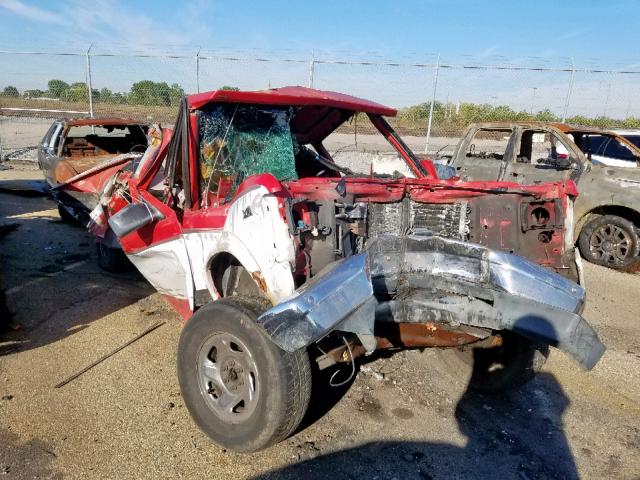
(244, 205)
(606, 213)
(75, 146)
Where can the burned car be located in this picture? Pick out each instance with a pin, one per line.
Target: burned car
(606, 216)
(270, 248)
(74, 146)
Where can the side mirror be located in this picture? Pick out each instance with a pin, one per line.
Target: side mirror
(133, 217)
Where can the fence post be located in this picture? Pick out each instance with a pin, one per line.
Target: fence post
(312, 63)
(433, 101)
(198, 71)
(89, 83)
(569, 90)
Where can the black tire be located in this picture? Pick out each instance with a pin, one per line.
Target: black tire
(112, 259)
(66, 216)
(498, 369)
(281, 380)
(610, 241)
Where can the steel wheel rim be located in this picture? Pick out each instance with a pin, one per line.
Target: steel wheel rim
(610, 244)
(228, 377)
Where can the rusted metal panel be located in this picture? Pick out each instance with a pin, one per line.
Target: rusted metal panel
(427, 334)
(604, 189)
(408, 335)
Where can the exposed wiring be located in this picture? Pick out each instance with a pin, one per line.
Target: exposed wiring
(148, 209)
(353, 368)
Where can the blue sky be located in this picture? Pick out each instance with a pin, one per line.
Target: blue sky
(541, 33)
(549, 29)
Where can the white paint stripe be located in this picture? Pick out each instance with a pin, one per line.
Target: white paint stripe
(16, 109)
(17, 288)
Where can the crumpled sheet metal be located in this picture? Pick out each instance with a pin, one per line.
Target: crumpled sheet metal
(341, 291)
(422, 278)
(432, 261)
(430, 278)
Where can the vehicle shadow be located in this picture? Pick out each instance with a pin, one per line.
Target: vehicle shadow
(31, 188)
(518, 434)
(30, 459)
(334, 383)
(52, 285)
(512, 436)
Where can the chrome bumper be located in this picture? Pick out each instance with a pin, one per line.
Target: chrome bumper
(420, 278)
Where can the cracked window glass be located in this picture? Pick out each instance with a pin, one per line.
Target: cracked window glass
(237, 141)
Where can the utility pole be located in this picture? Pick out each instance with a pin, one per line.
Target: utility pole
(312, 62)
(606, 100)
(569, 90)
(89, 84)
(198, 70)
(433, 101)
(446, 103)
(533, 98)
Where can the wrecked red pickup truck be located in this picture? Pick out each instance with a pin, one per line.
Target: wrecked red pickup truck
(243, 204)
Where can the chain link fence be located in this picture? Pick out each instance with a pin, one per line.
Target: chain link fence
(436, 98)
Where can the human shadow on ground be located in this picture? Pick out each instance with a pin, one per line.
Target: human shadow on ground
(517, 434)
(512, 436)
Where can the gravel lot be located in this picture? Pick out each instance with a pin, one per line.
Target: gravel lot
(407, 416)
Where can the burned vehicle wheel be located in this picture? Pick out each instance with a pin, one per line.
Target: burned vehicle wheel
(242, 390)
(501, 368)
(112, 259)
(611, 241)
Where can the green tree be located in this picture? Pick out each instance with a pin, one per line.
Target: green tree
(77, 92)
(176, 92)
(57, 88)
(147, 92)
(228, 88)
(33, 93)
(546, 115)
(631, 122)
(579, 120)
(106, 95)
(119, 98)
(10, 91)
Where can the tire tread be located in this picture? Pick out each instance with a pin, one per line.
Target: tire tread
(589, 228)
(298, 374)
(294, 369)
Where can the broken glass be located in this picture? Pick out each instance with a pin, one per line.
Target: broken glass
(237, 141)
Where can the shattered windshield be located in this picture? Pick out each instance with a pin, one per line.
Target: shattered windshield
(237, 141)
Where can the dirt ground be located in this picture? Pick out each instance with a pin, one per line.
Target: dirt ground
(406, 416)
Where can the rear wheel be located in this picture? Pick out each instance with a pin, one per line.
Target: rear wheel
(498, 369)
(610, 241)
(242, 390)
(112, 259)
(66, 216)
